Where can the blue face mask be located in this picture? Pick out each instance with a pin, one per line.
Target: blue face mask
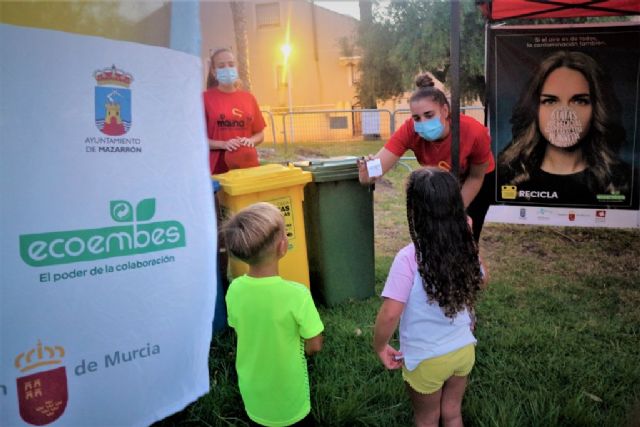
(227, 75)
(430, 130)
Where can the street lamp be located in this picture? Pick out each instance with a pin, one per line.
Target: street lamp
(286, 52)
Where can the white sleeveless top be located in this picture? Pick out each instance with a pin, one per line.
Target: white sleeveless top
(425, 332)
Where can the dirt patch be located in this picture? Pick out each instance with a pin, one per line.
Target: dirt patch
(383, 184)
(534, 248)
(389, 240)
(307, 154)
(267, 154)
(272, 155)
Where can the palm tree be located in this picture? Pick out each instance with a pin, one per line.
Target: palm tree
(367, 98)
(242, 41)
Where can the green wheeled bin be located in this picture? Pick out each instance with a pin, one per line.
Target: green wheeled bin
(338, 218)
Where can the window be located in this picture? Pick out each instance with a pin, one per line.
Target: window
(352, 63)
(268, 15)
(338, 123)
(354, 75)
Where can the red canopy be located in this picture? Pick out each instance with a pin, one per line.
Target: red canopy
(536, 9)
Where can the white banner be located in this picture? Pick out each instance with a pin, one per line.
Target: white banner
(370, 123)
(107, 231)
(563, 216)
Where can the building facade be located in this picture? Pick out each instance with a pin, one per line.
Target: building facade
(314, 76)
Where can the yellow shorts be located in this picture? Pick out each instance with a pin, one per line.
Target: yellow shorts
(429, 376)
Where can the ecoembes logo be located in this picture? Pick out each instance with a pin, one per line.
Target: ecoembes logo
(133, 236)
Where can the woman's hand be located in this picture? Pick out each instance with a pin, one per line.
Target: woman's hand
(363, 173)
(233, 144)
(243, 141)
(247, 142)
(387, 160)
(390, 357)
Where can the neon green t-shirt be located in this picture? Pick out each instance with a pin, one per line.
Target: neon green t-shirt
(271, 317)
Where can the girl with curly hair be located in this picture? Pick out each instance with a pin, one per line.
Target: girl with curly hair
(430, 292)
(566, 136)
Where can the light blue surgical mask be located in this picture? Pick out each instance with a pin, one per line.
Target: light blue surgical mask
(227, 75)
(430, 130)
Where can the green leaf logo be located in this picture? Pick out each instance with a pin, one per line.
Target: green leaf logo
(145, 209)
(121, 211)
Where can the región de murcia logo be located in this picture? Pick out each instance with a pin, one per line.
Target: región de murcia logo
(42, 395)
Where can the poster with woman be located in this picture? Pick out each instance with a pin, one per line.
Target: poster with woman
(564, 115)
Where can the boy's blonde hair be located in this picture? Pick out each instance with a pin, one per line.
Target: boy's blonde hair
(251, 233)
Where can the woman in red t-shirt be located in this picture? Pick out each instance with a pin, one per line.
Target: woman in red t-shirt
(234, 121)
(428, 134)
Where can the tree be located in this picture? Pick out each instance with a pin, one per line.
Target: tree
(242, 42)
(404, 38)
(410, 37)
(378, 74)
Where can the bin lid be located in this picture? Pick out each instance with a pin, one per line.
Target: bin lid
(331, 169)
(262, 178)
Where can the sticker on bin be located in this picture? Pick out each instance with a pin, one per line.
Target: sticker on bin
(374, 168)
(285, 206)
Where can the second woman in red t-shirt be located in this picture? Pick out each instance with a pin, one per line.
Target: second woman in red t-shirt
(428, 134)
(234, 121)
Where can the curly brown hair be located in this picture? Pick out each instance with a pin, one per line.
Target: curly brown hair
(446, 253)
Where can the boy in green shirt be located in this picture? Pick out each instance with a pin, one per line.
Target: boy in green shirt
(275, 320)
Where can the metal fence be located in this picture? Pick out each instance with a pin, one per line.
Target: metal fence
(270, 131)
(335, 125)
(338, 125)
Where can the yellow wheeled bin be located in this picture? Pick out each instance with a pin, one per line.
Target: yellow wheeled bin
(283, 186)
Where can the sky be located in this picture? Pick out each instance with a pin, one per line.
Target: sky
(346, 7)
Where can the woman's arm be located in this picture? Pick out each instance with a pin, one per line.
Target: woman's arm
(235, 143)
(472, 184)
(386, 324)
(230, 145)
(387, 160)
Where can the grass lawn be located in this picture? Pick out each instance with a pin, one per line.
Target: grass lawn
(558, 329)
